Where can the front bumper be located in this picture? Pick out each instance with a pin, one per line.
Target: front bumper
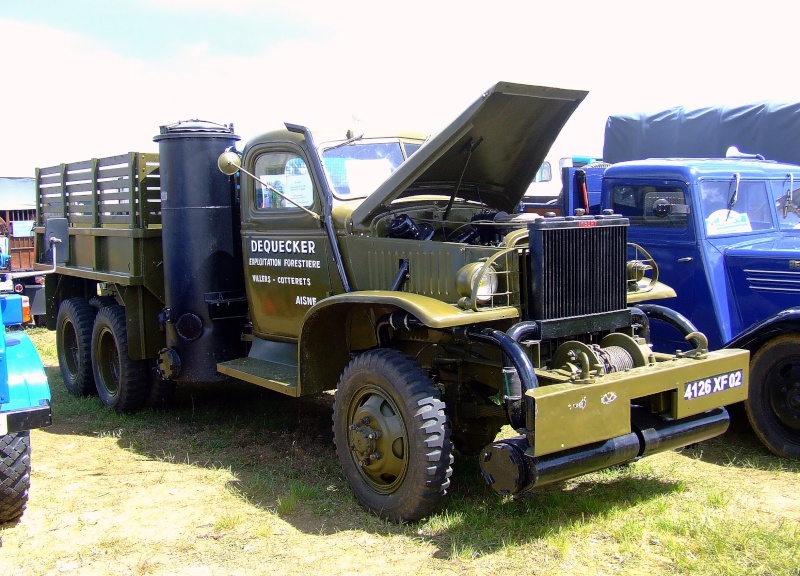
(25, 419)
(568, 415)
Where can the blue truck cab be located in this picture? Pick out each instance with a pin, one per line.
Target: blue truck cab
(24, 405)
(725, 234)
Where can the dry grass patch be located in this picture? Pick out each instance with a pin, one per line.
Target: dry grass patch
(239, 480)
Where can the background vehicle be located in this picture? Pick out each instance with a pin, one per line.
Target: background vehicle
(726, 236)
(17, 217)
(24, 405)
(404, 281)
(546, 185)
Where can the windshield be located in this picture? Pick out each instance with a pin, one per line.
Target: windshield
(735, 206)
(788, 204)
(357, 169)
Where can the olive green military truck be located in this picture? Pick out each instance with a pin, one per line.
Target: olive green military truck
(393, 270)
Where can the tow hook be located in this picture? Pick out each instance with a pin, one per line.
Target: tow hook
(700, 349)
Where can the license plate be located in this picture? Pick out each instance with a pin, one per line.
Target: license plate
(3, 425)
(712, 384)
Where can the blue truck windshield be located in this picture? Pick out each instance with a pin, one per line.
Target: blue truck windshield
(734, 208)
(788, 205)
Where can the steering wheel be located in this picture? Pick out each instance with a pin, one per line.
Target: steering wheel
(642, 270)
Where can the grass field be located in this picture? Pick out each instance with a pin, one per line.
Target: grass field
(236, 480)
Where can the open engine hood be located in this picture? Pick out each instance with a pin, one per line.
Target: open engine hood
(509, 131)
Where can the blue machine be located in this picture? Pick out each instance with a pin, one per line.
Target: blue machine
(725, 234)
(581, 189)
(24, 405)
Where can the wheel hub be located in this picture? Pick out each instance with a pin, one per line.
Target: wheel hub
(363, 441)
(378, 440)
(785, 397)
(110, 368)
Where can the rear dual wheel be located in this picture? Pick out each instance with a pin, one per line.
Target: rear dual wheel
(92, 345)
(121, 382)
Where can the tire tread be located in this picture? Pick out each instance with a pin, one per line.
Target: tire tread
(427, 415)
(79, 313)
(765, 423)
(133, 386)
(15, 480)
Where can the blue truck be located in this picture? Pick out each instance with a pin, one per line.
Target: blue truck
(24, 406)
(725, 235)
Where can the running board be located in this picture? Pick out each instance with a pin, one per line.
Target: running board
(278, 377)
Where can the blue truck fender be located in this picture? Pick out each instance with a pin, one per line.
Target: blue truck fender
(784, 322)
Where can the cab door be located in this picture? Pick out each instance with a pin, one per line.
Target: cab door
(660, 222)
(286, 254)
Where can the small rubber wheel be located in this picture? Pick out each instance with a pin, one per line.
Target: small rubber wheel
(74, 343)
(121, 382)
(392, 436)
(15, 474)
(773, 403)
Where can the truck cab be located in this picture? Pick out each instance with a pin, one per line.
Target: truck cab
(725, 234)
(287, 259)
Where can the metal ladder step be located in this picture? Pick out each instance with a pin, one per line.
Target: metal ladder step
(278, 377)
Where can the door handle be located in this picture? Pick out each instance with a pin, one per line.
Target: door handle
(686, 259)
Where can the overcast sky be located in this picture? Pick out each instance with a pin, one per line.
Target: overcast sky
(93, 78)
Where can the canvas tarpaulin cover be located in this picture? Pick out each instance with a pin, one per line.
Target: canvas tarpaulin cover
(767, 128)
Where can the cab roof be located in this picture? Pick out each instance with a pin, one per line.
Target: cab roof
(693, 168)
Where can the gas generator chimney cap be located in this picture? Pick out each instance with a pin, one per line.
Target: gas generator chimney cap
(196, 127)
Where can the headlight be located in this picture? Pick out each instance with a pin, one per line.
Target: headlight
(486, 285)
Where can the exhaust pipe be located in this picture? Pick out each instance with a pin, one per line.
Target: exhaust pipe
(509, 469)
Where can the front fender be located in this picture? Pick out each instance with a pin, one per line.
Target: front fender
(25, 394)
(658, 291)
(345, 323)
(784, 322)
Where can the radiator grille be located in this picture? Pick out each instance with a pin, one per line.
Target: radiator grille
(578, 267)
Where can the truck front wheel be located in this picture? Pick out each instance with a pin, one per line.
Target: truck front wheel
(121, 382)
(73, 344)
(773, 405)
(15, 475)
(392, 436)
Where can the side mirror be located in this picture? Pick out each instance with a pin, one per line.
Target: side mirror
(229, 163)
(56, 235)
(661, 208)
